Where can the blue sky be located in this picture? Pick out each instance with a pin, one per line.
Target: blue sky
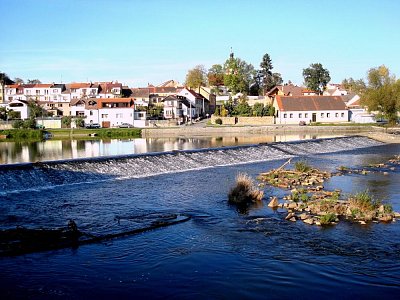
(151, 41)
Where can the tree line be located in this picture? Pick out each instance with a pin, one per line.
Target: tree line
(380, 92)
(241, 77)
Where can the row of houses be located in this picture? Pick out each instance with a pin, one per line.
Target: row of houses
(110, 103)
(104, 104)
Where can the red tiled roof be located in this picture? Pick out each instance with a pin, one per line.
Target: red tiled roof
(101, 101)
(78, 85)
(140, 92)
(310, 103)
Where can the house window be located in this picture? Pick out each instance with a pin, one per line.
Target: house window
(37, 92)
(306, 115)
(300, 115)
(337, 115)
(119, 115)
(342, 115)
(104, 116)
(291, 115)
(60, 105)
(55, 91)
(328, 115)
(91, 112)
(285, 116)
(322, 115)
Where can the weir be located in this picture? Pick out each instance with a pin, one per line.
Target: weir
(41, 175)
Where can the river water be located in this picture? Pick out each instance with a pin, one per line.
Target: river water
(19, 152)
(221, 252)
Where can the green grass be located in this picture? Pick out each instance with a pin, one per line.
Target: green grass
(100, 133)
(22, 134)
(327, 219)
(364, 202)
(302, 166)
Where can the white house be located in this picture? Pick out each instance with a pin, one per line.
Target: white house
(38, 92)
(196, 100)
(179, 108)
(20, 106)
(334, 89)
(115, 111)
(293, 110)
(357, 112)
(14, 92)
(109, 90)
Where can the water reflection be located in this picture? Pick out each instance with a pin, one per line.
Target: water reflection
(19, 152)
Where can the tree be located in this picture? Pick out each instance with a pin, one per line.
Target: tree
(258, 109)
(268, 79)
(215, 75)
(379, 77)
(12, 114)
(217, 113)
(18, 80)
(3, 113)
(239, 75)
(66, 121)
(354, 86)
(79, 122)
(383, 93)
(36, 110)
(33, 81)
(243, 108)
(316, 77)
(196, 77)
(4, 79)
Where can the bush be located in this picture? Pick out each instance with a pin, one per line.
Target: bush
(363, 202)
(218, 121)
(19, 134)
(327, 219)
(302, 166)
(18, 124)
(244, 191)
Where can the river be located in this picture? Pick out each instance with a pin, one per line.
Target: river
(26, 151)
(222, 252)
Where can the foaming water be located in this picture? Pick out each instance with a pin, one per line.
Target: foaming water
(34, 176)
(221, 252)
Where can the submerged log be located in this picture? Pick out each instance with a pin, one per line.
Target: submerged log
(23, 240)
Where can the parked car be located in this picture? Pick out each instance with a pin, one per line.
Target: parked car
(92, 125)
(125, 125)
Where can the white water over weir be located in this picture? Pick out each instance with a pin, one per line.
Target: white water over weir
(22, 177)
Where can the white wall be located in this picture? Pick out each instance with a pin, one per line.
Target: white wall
(328, 116)
(91, 116)
(116, 116)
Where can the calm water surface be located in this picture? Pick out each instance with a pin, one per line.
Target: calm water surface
(19, 152)
(221, 253)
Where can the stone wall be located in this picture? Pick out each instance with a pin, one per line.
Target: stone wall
(244, 121)
(191, 131)
(225, 120)
(255, 121)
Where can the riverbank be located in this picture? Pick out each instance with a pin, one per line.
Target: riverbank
(383, 134)
(66, 134)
